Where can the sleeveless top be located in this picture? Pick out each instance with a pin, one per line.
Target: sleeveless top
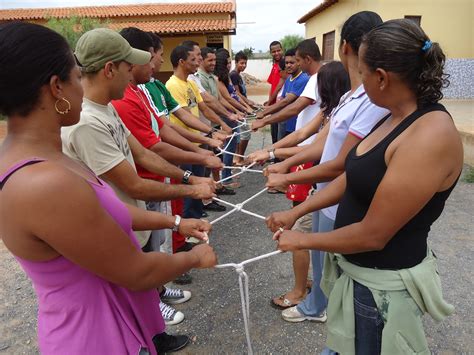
(408, 247)
(82, 313)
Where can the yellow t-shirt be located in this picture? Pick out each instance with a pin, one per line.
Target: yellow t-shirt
(186, 93)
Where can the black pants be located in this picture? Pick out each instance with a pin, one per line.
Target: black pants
(274, 131)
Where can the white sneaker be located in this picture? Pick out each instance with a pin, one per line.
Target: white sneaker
(174, 295)
(170, 315)
(293, 315)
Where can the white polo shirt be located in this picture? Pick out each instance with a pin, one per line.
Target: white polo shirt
(311, 92)
(356, 115)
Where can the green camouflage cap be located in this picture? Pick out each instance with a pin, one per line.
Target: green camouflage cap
(102, 45)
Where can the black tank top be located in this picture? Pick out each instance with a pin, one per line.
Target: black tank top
(364, 173)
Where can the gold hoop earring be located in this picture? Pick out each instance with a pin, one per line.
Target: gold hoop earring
(66, 110)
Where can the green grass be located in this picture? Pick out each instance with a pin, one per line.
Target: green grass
(469, 175)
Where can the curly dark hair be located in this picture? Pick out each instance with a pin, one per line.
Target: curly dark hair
(398, 46)
(29, 56)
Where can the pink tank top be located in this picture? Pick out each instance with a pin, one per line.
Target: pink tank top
(80, 312)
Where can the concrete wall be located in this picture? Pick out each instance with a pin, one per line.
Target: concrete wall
(259, 68)
(449, 22)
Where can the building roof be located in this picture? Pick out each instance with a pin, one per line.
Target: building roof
(179, 26)
(102, 12)
(318, 9)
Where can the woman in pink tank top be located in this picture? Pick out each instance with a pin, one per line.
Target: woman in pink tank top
(73, 237)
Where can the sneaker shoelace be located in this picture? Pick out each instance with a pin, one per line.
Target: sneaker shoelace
(173, 292)
(166, 311)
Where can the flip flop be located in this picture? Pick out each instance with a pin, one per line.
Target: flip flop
(286, 303)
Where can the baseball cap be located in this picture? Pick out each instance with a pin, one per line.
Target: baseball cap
(102, 45)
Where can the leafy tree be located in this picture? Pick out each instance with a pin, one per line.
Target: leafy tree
(291, 41)
(248, 51)
(72, 28)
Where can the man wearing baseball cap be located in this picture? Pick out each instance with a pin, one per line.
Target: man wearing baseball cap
(105, 145)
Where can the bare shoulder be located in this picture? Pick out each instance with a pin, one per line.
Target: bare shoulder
(45, 182)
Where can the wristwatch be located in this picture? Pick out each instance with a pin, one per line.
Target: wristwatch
(186, 176)
(271, 152)
(177, 221)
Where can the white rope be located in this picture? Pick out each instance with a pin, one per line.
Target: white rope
(236, 174)
(244, 291)
(244, 169)
(239, 268)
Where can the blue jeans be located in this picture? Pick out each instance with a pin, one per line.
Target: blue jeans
(281, 130)
(232, 147)
(368, 322)
(316, 302)
(193, 208)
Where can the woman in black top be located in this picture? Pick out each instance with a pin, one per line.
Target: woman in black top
(398, 178)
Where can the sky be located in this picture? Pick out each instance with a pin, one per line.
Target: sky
(258, 21)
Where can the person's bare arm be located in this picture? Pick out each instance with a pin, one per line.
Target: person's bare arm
(83, 232)
(126, 179)
(272, 97)
(277, 106)
(326, 171)
(195, 137)
(191, 121)
(426, 161)
(287, 112)
(155, 164)
(216, 105)
(326, 197)
(225, 94)
(213, 117)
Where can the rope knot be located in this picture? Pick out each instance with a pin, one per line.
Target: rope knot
(239, 269)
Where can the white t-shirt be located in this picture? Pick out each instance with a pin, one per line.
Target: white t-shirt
(356, 115)
(310, 91)
(99, 141)
(197, 80)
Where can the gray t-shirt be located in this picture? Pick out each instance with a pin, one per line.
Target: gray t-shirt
(99, 140)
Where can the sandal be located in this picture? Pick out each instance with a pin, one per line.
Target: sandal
(285, 302)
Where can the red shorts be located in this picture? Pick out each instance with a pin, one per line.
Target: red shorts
(299, 192)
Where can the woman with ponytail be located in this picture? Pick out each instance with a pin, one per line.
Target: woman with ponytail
(379, 273)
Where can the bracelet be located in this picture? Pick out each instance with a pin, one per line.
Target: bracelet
(177, 221)
(186, 176)
(272, 155)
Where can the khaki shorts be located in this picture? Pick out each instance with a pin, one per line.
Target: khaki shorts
(304, 224)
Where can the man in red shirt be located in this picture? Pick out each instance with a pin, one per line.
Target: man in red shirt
(276, 82)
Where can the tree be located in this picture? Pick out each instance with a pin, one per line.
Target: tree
(74, 27)
(291, 41)
(248, 52)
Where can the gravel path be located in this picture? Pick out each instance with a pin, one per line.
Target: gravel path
(213, 315)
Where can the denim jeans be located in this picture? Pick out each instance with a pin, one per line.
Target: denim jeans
(368, 322)
(231, 147)
(281, 130)
(316, 302)
(193, 208)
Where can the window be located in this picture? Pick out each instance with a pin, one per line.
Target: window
(415, 19)
(328, 45)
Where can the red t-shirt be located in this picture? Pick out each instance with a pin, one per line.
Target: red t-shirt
(136, 113)
(274, 77)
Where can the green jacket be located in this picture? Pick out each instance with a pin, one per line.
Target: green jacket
(402, 297)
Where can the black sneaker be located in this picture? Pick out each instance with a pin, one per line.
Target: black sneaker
(184, 279)
(165, 343)
(225, 191)
(214, 206)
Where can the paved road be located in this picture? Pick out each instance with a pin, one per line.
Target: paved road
(213, 315)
